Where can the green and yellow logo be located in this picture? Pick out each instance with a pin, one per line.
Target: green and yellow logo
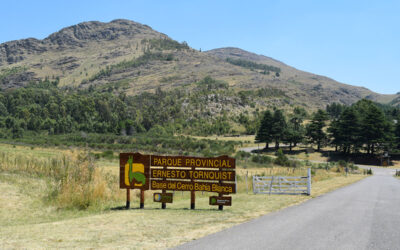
(134, 173)
(157, 197)
(213, 201)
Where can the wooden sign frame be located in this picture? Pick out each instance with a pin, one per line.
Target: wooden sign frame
(220, 201)
(178, 173)
(163, 197)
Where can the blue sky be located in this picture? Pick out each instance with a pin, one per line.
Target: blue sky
(354, 42)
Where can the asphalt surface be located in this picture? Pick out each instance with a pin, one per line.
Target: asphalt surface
(364, 215)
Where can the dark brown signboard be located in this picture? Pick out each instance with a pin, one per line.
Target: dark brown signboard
(213, 175)
(221, 201)
(193, 162)
(163, 197)
(178, 173)
(223, 188)
(134, 171)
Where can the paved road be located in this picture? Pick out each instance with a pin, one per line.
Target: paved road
(364, 215)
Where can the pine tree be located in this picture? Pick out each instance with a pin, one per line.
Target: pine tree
(347, 130)
(278, 127)
(397, 133)
(373, 128)
(293, 136)
(315, 131)
(294, 132)
(264, 131)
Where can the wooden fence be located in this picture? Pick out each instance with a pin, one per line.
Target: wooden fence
(290, 185)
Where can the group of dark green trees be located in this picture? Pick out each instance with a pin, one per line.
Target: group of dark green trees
(45, 108)
(274, 127)
(362, 127)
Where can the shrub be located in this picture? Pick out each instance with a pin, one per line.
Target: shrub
(242, 155)
(281, 158)
(262, 159)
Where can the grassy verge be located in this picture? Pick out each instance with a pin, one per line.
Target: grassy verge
(28, 212)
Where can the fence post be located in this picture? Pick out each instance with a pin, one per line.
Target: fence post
(235, 184)
(270, 186)
(247, 186)
(254, 187)
(279, 178)
(309, 181)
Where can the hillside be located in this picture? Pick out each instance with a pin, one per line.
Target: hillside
(125, 56)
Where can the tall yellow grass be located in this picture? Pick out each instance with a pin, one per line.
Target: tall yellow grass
(74, 179)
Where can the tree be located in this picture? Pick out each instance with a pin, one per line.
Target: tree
(315, 131)
(346, 130)
(264, 131)
(373, 128)
(3, 110)
(334, 110)
(295, 130)
(278, 127)
(397, 132)
(300, 113)
(294, 134)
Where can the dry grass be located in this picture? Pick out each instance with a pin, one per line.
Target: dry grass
(73, 179)
(153, 228)
(396, 165)
(42, 225)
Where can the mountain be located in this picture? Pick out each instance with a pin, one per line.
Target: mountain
(129, 57)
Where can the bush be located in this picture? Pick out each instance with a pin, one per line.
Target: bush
(242, 155)
(281, 158)
(367, 171)
(261, 159)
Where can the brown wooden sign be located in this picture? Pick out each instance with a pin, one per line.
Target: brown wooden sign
(221, 201)
(178, 173)
(212, 175)
(134, 171)
(163, 197)
(223, 188)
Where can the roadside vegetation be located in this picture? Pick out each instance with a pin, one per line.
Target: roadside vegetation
(50, 196)
(360, 133)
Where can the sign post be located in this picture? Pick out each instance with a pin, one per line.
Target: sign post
(163, 204)
(192, 196)
(141, 199)
(128, 198)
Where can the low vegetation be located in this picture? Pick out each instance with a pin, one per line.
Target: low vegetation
(134, 63)
(265, 69)
(73, 180)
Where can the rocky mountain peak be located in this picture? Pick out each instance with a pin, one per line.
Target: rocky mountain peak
(74, 36)
(96, 31)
